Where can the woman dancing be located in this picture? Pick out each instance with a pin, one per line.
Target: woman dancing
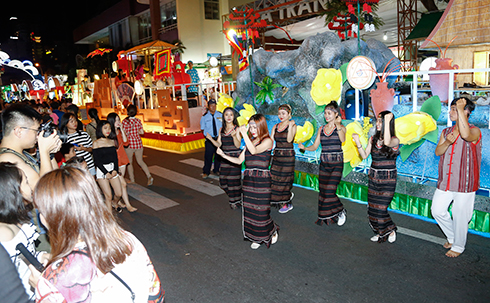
(230, 174)
(383, 147)
(258, 226)
(282, 168)
(331, 136)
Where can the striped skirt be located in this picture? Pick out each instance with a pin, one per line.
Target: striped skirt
(381, 189)
(282, 176)
(230, 180)
(258, 226)
(329, 205)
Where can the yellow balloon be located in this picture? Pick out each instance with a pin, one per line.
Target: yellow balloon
(304, 133)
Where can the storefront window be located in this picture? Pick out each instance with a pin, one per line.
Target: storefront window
(211, 9)
(168, 14)
(144, 26)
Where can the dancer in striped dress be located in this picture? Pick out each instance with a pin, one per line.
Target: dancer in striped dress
(383, 147)
(230, 174)
(258, 226)
(282, 168)
(331, 136)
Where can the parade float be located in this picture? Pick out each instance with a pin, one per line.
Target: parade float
(316, 73)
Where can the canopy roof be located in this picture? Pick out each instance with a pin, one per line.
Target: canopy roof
(149, 48)
(425, 26)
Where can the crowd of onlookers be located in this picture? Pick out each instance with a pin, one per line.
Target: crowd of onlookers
(60, 182)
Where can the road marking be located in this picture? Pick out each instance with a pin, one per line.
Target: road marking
(192, 183)
(149, 197)
(419, 235)
(193, 162)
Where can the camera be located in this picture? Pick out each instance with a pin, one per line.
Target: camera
(49, 128)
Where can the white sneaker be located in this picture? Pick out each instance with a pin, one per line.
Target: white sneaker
(254, 245)
(392, 237)
(375, 238)
(342, 218)
(275, 236)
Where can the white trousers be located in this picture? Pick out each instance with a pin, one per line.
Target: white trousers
(455, 228)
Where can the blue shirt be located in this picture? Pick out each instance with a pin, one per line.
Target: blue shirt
(194, 79)
(207, 123)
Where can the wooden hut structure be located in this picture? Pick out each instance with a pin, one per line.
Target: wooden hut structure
(468, 21)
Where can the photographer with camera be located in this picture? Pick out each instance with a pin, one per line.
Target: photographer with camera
(21, 126)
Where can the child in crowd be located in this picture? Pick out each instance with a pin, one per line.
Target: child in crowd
(383, 147)
(67, 151)
(282, 168)
(331, 136)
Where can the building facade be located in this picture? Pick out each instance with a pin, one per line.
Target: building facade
(196, 23)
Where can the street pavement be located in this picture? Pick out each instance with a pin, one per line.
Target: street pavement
(196, 244)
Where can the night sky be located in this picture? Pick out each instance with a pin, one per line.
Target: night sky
(53, 20)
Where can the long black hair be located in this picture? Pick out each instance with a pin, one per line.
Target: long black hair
(13, 209)
(235, 121)
(64, 121)
(386, 151)
(92, 113)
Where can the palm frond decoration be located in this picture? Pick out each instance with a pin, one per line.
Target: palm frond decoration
(266, 93)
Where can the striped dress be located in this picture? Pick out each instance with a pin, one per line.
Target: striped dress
(381, 189)
(258, 226)
(282, 168)
(230, 175)
(331, 167)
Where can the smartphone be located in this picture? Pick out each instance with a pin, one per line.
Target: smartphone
(29, 257)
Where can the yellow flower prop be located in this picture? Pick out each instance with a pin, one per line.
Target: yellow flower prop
(413, 127)
(245, 114)
(327, 86)
(224, 101)
(304, 133)
(351, 153)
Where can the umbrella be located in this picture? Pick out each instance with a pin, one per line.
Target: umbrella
(125, 93)
(99, 52)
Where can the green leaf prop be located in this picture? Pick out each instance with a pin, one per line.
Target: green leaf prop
(347, 169)
(319, 109)
(433, 136)
(343, 70)
(406, 150)
(267, 88)
(432, 106)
